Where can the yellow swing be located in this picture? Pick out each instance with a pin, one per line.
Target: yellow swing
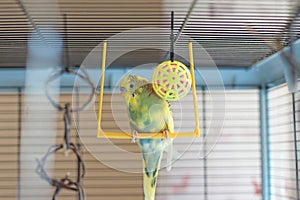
(171, 80)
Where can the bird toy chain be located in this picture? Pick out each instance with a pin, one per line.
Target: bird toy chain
(66, 182)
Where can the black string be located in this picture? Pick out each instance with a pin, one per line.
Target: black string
(172, 37)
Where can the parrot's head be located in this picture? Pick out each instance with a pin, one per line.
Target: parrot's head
(129, 83)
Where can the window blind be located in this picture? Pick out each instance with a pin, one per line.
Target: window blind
(230, 171)
(281, 138)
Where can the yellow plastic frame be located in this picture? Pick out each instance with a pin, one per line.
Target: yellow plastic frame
(123, 135)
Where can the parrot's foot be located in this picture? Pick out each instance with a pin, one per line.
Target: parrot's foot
(165, 134)
(134, 135)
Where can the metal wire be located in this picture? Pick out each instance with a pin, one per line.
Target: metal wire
(288, 55)
(295, 143)
(30, 19)
(283, 143)
(224, 34)
(67, 52)
(174, 40)
(184, 23)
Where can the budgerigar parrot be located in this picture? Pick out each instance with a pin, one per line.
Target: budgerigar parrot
(148, 113)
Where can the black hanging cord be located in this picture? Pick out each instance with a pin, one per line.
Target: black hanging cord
(172, 37)
(183, 25)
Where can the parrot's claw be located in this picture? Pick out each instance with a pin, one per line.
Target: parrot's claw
(166, 135)
(134, 135)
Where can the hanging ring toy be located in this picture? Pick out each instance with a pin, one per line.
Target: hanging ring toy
(84, 76)
(171, 80)
(66, 182)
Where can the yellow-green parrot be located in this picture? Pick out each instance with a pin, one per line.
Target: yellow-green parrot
(148, 113)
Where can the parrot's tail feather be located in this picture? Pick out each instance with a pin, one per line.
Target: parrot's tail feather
(169, 156)
(150, 178)
(149, 187)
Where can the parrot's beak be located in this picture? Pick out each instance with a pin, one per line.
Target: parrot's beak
(122, 90)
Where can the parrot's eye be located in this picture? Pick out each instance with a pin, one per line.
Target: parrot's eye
(131, 86)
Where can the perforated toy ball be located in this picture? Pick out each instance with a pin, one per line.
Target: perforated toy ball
(171, 80)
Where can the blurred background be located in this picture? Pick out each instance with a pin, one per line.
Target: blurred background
(247, 66)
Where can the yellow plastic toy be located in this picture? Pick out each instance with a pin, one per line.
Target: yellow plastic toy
(171, 80)
(173, 71)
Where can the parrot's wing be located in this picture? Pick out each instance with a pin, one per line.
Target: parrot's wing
(170, 124)
(149, 113)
